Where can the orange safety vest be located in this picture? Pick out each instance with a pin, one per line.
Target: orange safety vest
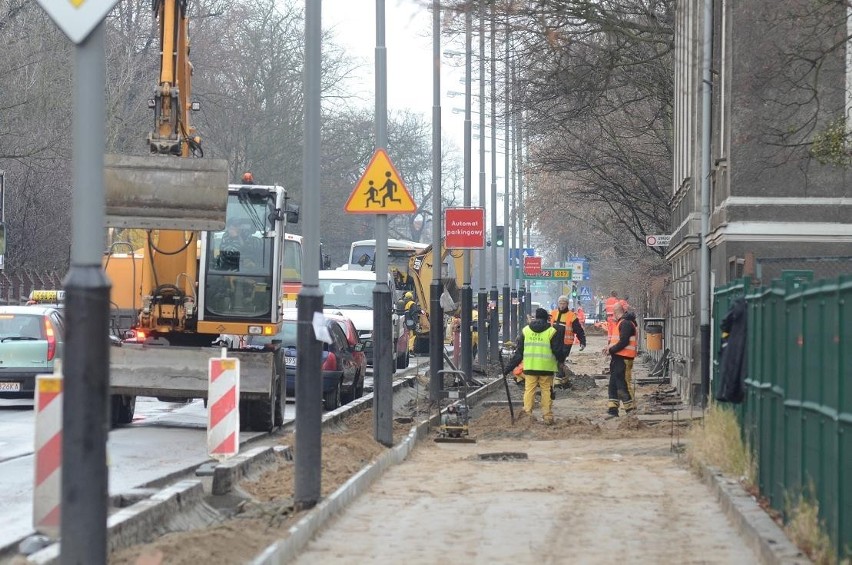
(567, 323)
(615, 336)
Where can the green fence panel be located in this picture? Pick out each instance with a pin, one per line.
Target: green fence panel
(794, 389)
(754, 362)
(797, 414)
(771, 427)
(844, 416)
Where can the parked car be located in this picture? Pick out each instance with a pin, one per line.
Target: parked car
(31, 340)
(351, 334)
(341, 368)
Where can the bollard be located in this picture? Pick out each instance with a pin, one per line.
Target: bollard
(223, 399)
(48, 453)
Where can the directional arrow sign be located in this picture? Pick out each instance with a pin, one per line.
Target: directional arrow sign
(77, 18)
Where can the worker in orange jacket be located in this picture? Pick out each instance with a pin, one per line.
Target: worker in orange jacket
(622, 347)
(563, 317)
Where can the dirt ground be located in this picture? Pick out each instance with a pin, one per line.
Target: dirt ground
(593, 478)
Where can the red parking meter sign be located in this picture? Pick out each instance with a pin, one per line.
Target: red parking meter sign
(532, 265)
(464, 228)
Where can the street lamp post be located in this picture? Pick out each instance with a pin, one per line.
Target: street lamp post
(495, 318)
(507, 301)
(436, 337)
(466, 291)
(482, 298)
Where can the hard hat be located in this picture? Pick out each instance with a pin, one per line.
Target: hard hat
(248, 178)
(562, 298)
(408, 296)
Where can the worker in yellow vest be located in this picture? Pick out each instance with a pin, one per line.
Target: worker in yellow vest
(541, 349)
(622, 348)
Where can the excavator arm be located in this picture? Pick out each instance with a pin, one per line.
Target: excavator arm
(173, 134)
(420, 270)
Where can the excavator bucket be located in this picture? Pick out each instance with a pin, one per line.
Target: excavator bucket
(164, 192)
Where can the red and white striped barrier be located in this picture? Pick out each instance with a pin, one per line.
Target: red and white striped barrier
(48, 453)
(223, 415)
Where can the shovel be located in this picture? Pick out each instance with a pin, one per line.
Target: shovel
(506, 384)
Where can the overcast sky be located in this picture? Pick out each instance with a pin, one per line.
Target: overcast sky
(408, 37)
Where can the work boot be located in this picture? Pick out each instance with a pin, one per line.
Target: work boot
(548, 420)
(611, 413)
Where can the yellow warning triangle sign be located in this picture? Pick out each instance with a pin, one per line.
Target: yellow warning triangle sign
(380, 190)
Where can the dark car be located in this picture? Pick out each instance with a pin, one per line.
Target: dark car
(341, 376)
(30, 342)
(360, 353)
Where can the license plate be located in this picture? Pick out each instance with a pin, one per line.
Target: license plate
(10, 387)
(290, 361)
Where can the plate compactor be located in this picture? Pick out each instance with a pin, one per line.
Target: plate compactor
(453, 409)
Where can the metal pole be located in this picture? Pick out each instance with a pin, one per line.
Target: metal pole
(495, 314)
(466, 290)
(308, 470)
(482, 297)
(524, 290)
(706, 101)
(436, 321)
(85, 422)
(382, 331)
(517, 243)
(507, 300)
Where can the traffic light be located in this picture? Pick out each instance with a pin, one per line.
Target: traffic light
(499, 236)
(574, 290)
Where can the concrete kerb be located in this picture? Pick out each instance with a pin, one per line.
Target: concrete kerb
(763, 535)
(135, 523)
(304, 530)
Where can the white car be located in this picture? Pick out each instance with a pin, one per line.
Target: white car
(350, 293)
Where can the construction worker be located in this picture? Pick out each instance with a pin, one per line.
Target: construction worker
(621, 347)
(411, 311)
(541, 348)
(570, 323)
(610, 305)
(581, 315)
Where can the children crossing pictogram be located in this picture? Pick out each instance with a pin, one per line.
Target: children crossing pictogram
(380, 190)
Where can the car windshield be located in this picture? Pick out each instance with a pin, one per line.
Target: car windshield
(20, 327)
(341, 293)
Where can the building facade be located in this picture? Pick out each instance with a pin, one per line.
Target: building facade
(780, 170)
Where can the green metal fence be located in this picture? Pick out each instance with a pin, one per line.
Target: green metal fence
(797, 415)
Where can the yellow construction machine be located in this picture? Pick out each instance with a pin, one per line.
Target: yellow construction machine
(420, 271)
(210, 267)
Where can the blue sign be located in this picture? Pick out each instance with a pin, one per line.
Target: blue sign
(585, 293)
(587, 271)
(516, 255)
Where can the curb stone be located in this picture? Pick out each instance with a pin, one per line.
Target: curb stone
(133, 524)
(769, 542)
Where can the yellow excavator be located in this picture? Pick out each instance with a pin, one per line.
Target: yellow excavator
(209, 270)
(421, 267)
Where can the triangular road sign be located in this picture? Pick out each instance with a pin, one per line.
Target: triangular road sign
(380, 190)
(77, 18)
